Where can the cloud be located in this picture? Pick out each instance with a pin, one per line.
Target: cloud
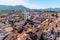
(11, 2)
(19, 2)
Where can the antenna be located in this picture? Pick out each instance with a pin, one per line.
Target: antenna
(26, 14)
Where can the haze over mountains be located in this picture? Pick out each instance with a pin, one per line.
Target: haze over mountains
(20, 7)
(17, 7)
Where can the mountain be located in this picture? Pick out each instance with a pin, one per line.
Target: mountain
(17, 7)
(20, 7)
(52, 9)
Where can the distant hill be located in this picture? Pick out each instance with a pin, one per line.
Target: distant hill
(17, 7)
(20, 7)
(52, 9)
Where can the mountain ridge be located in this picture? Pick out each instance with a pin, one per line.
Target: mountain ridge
(20, 7)
(17, 7)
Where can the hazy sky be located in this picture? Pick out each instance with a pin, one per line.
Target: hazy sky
(33, 3)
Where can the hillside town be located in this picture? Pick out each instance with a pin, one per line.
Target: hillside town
(44, 25)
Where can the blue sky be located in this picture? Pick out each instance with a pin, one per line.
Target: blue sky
(34, 4)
